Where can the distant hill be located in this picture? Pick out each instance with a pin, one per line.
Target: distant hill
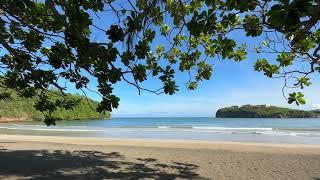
(263, 111)
(21, 109)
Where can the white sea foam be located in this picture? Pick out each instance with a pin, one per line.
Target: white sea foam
(234, 128)
(45, 126)
(188, 129)
(163, 127)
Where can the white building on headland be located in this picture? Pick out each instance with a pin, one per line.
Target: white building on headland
(259, 105)
(249, 105)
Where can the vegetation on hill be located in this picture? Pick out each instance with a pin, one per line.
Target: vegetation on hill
(17, 107)
(262, 111)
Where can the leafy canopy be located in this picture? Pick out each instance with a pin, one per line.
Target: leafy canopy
(44, 43)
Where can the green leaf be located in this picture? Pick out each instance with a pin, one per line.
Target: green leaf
(240, 54)
(139, 72)
(303, 81)
(296, 97)
(165, 29)
(285, 59)
(192, 85)
(252, 25)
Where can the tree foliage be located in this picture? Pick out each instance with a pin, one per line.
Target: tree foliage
(45, 42)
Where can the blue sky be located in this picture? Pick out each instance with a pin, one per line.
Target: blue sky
(232, 83)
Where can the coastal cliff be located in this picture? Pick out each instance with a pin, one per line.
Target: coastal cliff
(264, 111)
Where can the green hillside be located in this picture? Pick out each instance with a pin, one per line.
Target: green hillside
(21, 108)
(263, 111)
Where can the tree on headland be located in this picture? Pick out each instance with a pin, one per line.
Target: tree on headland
(44, 43)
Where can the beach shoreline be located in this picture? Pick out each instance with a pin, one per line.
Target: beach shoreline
(5, 120)
(154, 158)
(163, 143)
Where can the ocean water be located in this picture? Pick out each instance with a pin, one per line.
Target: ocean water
(296, 131)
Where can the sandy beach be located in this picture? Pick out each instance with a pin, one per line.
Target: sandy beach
(14, 119)
(40, 157)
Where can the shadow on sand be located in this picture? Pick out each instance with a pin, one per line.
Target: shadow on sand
(34, 164)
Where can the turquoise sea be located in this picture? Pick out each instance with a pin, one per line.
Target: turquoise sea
(297, 131)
